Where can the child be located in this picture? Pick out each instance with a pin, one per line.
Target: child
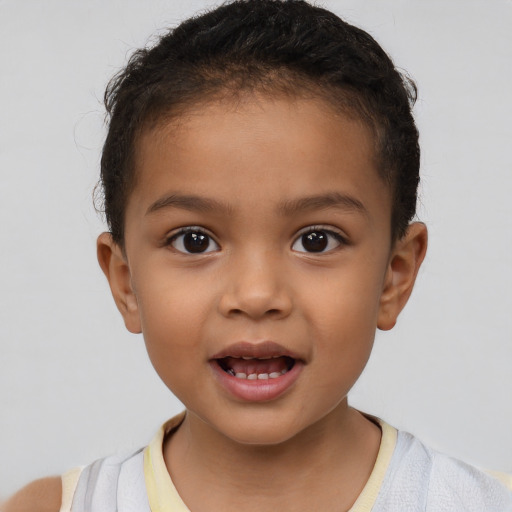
(260, 177)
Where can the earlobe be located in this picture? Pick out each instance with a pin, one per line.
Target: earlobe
(405, 261)
(115, 267)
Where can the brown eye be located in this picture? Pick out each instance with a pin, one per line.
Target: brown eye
(317, 240)
(193, 241)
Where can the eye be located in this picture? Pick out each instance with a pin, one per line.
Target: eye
(193, 241)
(318, 240)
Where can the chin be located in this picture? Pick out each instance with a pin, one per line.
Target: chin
(261, 437)
(260, 430)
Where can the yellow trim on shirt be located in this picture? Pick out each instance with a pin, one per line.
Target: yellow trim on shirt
(163, 496)
(368, 496)
(504, 478)
(69, 483)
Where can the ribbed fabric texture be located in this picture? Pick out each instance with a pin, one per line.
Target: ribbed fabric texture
(407, 477)
(422, 480)
(113, 484)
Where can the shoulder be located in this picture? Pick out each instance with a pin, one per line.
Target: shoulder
(455, 482)
(113, 483)
(42, 495)
(443, 483)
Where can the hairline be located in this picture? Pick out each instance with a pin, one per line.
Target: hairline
(340, 101)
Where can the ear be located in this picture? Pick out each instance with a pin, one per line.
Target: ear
(115, 267)
(406, 257)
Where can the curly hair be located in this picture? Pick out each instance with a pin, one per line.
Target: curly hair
(269, 46)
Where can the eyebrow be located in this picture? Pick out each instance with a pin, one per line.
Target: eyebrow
(188, 202)
(322, 202)
(287, 208)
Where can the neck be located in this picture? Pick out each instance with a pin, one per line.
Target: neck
(330, 460)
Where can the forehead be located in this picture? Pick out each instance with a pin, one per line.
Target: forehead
(258, 151)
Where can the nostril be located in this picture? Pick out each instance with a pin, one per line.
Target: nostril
(254, 303)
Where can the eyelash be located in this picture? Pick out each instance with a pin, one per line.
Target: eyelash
(186, 230)
(340, 239)
(171, 240)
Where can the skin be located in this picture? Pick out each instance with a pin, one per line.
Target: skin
(256, 282)
(42, 495)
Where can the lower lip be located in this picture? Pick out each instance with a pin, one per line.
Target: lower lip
(257, 390)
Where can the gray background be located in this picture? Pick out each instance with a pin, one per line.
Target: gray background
(74, 385)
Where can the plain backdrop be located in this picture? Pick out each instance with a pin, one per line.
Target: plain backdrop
(75, 386)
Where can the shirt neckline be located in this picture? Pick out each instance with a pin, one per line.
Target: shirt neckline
(163, 496)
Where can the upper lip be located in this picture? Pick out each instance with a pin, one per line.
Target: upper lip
(257, 350)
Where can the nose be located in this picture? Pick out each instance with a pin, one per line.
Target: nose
(256, 287)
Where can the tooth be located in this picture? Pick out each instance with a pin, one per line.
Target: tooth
(241, 375)
(247, 358)
(283, 371)
(231, 371)
(252, 376)
(274, 375)
(262, 376)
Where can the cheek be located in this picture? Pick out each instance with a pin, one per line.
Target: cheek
(341, 315)
(346, 299)
(172, 327)
(173, 312)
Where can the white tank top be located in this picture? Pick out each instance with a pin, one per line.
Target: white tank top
(407, 477)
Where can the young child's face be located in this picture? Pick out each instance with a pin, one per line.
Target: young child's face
(286, 258)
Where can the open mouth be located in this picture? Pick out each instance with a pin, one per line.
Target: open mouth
(254, 368)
